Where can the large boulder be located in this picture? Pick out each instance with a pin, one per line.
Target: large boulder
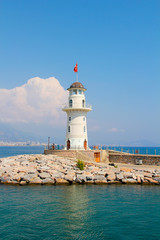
(70, 176)
(124, 169)
(157, 179)
(61, 181)
(129, 175)
(28, 177)
(128, 180)
(4, 179)
(111, 177)
(44, 175)
(119, 176)
(99, 178)
(150, 180)
(100, 181)
(23, 183)
(80, 178)
(48, 181)
(36, 180)
(147, 174)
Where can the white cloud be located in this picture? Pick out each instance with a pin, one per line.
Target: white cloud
(116, 130)
(38, 101)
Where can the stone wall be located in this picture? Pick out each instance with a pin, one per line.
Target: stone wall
(131, 158)
(107, 156)
(82, 155)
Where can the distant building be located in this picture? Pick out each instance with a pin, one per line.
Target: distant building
(76, 109)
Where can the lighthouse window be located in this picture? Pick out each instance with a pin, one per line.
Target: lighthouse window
(70, 103)
(84, 129)
(84, 119)
(69, 129)
(80, 91)
(82, 103)
(69, 118)
(74, 91)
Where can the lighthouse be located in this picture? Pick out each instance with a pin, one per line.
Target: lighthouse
(76, 109)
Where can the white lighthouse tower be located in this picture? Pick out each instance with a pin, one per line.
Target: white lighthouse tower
(76, 109)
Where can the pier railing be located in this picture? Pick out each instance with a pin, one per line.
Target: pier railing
(131, 150)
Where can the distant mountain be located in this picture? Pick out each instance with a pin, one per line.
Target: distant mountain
(34, 132)
(11, 134)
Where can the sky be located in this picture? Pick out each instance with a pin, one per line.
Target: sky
(117, 47)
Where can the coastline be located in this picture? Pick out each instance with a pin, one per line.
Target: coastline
(51, 169)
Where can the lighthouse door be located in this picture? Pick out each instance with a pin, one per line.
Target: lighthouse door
(68, 144)
(85, 144)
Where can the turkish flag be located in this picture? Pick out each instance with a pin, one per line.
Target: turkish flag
(76, 68)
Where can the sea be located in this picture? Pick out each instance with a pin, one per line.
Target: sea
(6, 151)
(81, 212)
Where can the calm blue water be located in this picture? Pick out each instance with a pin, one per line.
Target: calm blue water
(16, 150)
(80, 212)
(77, 212)
(13, 151)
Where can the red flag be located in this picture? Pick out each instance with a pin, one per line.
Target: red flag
(76, 68)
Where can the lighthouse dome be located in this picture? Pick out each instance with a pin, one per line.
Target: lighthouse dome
(77, 85)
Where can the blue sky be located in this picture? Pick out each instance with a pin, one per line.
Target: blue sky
(117, 47)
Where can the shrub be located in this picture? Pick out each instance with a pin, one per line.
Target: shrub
(80, 164)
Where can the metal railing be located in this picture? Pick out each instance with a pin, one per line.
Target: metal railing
(77, 106)
(131, 150)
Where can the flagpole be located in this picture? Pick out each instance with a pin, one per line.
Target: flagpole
(77, 77)
(76, 71)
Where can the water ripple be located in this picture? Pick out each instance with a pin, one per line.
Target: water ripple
(79, 212)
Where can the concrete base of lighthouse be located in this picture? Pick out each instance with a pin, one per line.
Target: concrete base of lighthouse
(76, 144)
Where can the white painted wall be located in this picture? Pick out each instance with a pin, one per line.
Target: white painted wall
(78, 122)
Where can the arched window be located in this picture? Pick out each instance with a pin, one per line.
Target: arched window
(83, 102)
(70, 103)
(84, 129)
(69, 129)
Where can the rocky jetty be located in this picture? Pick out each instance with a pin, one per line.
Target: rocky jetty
(51, 169)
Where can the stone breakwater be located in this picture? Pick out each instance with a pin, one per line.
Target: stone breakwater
(51, 169)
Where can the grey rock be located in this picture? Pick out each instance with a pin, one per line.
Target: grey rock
(57, 175)
(28, 177)
(4, 179)
(23, 183)
(99, 178)
(111, 177)
(44, 175)
(89, 178)
(44, 168)
(70, 177)
(80, 178)
(48, 181)
(25, 163)
(119, 176)
(156, 179)
(146, 174)
(79, 172)
(129, 175)
(32, 172)
(36, 180)
(148, 171)
(101, 173)
(128, 180)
